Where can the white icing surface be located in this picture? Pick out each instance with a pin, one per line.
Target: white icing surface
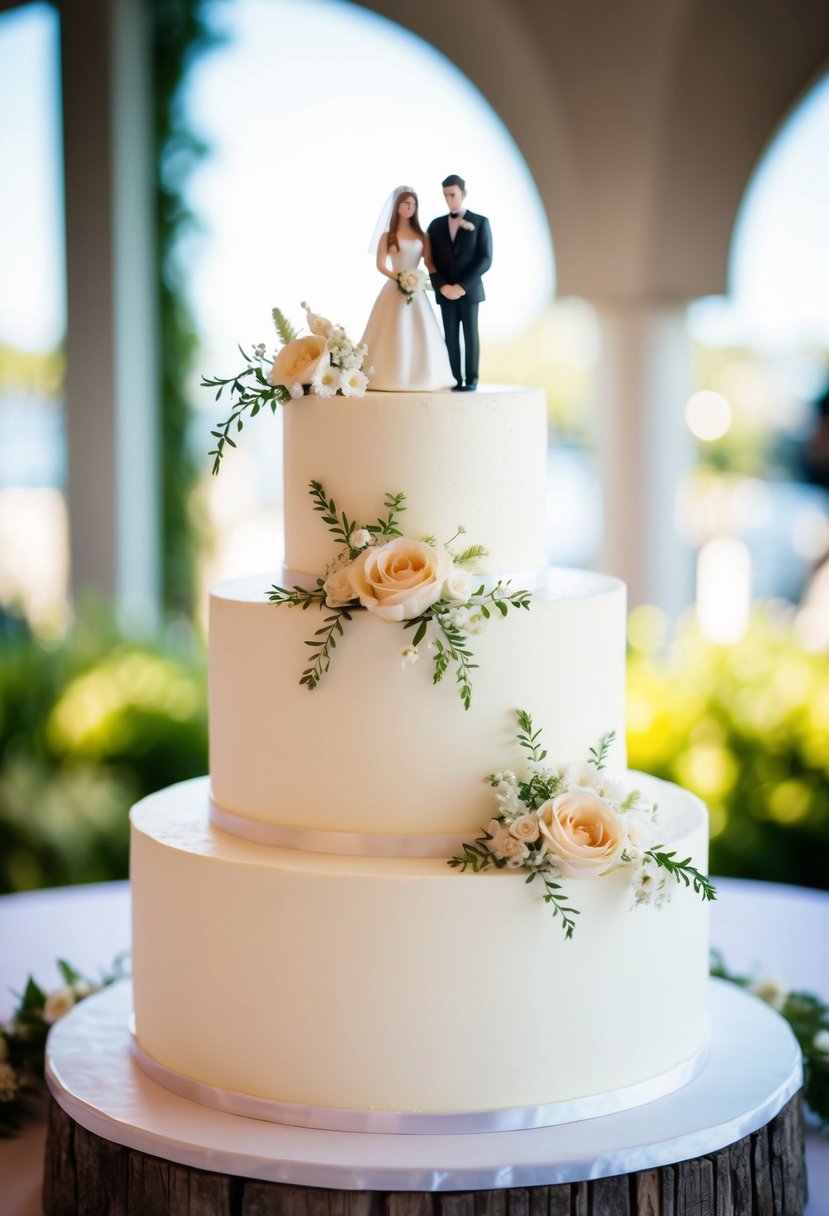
(379, 748)
(478, 459)
(398, 983)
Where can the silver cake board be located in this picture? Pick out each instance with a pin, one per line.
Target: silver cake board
(733, 1130)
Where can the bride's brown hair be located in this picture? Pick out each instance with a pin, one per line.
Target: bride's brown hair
(395, 218)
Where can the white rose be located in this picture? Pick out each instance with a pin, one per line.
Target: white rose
(525, 828)
(584, 833)
(505, 847)
(338, 588)
(8, 1083)
(457, 585)
(399, 580)
(57, 1004)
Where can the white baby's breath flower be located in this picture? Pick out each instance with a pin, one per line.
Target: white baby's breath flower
(508, 802)
(354, 383)
(477, 623)
(507, 777)
(259, 350)
(770, 989)
(409, 655)
(8, 1083)
(81, 989)
(459, 617)
(461, 529)
(57, 1004)
(296, 391)
(359, 538)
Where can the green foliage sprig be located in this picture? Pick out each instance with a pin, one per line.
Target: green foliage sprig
(443, 623)
(684, 872)
(520, 836)
(249, 391)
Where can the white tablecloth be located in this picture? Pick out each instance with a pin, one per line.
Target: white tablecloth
(759, 927)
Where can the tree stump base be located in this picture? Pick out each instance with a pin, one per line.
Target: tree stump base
(763, 1174)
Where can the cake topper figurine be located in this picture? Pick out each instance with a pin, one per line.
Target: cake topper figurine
(402, 334)
(461, 248)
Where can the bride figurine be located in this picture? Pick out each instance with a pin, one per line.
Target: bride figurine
(405, 345)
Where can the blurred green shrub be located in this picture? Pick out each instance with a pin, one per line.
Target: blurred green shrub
(86, 728)
(746, 727)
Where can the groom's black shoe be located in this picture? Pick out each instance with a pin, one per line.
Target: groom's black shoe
(457, 387)
(470, 387)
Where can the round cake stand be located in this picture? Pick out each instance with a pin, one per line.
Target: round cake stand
(730, 1141)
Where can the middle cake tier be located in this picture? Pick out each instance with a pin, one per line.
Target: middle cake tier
(377, 747)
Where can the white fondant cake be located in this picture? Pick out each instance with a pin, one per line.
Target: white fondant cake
(318, 957)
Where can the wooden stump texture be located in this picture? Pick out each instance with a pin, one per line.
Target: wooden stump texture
(762, 1175)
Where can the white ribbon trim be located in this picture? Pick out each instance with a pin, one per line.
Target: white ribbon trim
(341, 1119)
(348, 844)
(534, 579)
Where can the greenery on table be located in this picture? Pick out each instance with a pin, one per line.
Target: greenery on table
(808, 1017)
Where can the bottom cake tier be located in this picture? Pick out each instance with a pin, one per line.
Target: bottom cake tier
(313, 983)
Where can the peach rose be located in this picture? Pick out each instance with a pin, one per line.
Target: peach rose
(297, 362)
(583, 832)
(401, 579)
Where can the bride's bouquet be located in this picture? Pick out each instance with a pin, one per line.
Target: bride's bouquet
(410, 282)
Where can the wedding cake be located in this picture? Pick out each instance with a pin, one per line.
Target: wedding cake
(339, 927)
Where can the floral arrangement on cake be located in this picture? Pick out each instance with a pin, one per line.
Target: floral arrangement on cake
(23, 1039)
(410, 282)
(325, 362)
(418, 583)
(576, 822)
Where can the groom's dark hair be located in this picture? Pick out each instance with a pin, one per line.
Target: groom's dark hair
(453, 180)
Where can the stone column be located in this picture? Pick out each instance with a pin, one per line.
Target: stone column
(111, 379)
(645, 450)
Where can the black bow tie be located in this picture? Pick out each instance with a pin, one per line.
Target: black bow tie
(455, 214)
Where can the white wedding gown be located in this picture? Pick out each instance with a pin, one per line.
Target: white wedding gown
(405, 345)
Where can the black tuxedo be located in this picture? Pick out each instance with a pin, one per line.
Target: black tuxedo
(464, 260)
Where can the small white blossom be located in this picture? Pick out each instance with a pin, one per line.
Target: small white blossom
(354, 384)
(259, 350)
(649, 886)
(8, 1083)
(359, 538)
(82, 989)
(476, 624)
(770, 989)
(327, 381)
(296, 391)
(462, 528)
(57, 1004)
(409, 655)
(820, 1043)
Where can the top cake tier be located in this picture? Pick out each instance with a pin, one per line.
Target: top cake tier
(476, 459)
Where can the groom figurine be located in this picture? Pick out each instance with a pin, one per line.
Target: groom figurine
(461, 253)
